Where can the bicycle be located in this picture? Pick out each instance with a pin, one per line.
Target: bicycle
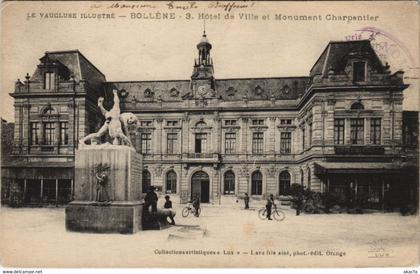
(186, 211)
(276, 213)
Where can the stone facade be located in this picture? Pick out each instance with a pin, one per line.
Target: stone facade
(339, 130)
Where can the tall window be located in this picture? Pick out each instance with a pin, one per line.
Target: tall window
(302, 178)
(49, 80)
(284, 183)
(258, 142)
(172, 139)
(146, 141)
(359, 70)
(285, 142)
(34, 134)
(171, 182)
(230, 143)
(357, 131)
(200, 142)
(410, 135)
(338, 131)
(229, 182)
(256, 183)
(310, 134)
(146, 181)
(375, 130)
(49, 133)
(64, 134)
(303, 137)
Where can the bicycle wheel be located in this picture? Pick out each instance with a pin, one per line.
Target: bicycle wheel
(278, 215)
(185, 211)
(262, 213)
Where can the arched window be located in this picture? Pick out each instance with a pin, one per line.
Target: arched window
(256, 183)
(229, 182)
(309, 178)
(171, 182)
(357, 106)
(50, 123)
(284, 183)
(146, 180)
(301, 177)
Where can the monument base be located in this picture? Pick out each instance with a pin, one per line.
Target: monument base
(112, 217)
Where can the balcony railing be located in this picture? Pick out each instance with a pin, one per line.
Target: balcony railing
(359, 150)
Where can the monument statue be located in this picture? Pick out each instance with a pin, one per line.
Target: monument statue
(107, 178)
(116, 124)
(101, 174)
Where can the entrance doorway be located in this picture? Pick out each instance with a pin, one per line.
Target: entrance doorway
(200, 185)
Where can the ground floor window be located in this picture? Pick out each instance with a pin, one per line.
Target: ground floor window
(284, 183)
(146, 181)
(256, 183)
(37, 191)
(365, 190)
(229, 183)
(171, 182)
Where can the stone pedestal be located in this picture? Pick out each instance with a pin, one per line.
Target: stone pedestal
(122, 213)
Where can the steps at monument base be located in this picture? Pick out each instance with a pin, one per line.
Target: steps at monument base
(188, 232)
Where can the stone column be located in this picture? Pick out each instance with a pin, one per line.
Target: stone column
(24, 190)
(157, 140)
(367, 131)
(56, 191)
(243, 137)
(271, 136)
(42, 189)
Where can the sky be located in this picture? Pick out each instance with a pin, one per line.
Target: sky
(150, 49)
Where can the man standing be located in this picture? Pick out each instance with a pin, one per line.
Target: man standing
(246, 200)
(151, 199)
(269, 205)
(298, 199)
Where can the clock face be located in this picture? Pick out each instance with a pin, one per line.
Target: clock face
(202, 90)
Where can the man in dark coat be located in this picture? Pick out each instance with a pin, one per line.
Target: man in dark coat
(151, 199)
(246, 200)
(195, 202)
(269, 205)
(298, 200)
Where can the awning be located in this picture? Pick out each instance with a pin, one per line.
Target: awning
(356, 168)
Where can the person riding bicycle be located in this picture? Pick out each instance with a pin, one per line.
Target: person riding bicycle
(269, 205)
(195, 202)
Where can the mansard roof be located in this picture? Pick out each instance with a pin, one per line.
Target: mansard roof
(226, 89)
(167, 90)
(337, 53)
(73, 60)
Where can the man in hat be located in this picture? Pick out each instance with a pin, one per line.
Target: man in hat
(246, 200)
(151, 199)
(269, 205)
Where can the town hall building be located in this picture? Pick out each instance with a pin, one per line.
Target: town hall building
(341, 129)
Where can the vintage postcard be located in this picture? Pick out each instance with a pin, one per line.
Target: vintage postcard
(209, 134)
